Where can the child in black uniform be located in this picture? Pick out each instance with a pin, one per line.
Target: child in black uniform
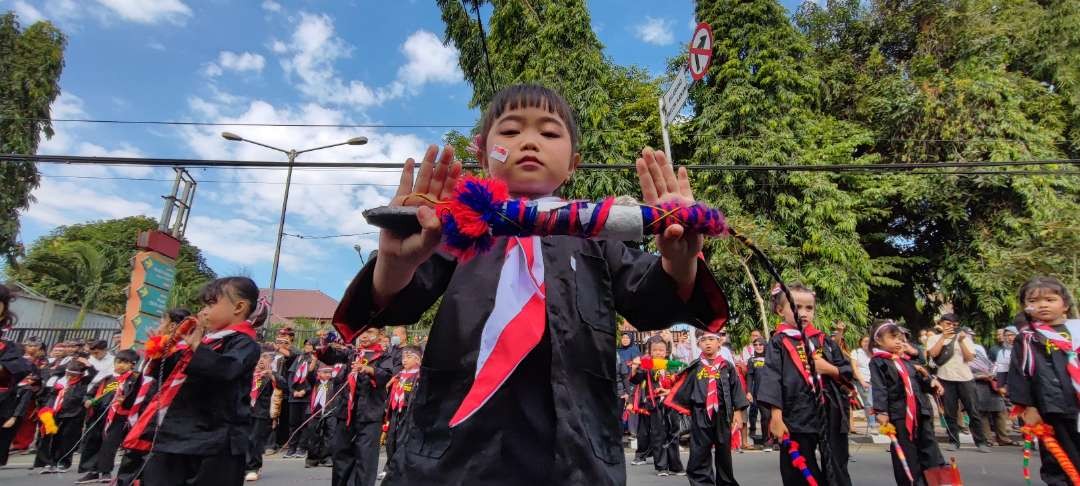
(899, 394)
(794, 407)
(110, 409)
(319, 431)
(401, 392)
(300, 375)
(68, 405)
(711, 393)
(263, 384)
(654, 385)
(355, 441)
(758, 413)
(1041, 369)
(13, 369)
(203, 438)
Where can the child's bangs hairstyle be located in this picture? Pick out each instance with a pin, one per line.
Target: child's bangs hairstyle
(657, 340)
(777, 298)
(236, 289)
(127, 355)
(884, 327)
(529, 96)
(1038, 285)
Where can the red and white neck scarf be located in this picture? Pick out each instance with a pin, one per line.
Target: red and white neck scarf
(62, 387)
(911, 421)
(318, 399)
(1066, 344)
(365, 355)
(793, 343)
(256, 384)
(514, 327)
(118, 398)
(159, 405)
(301, 370)
(403, 383)
(712, 367)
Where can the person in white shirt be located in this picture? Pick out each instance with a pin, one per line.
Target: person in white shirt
(861, 357)
(102, 361)
(950, 352)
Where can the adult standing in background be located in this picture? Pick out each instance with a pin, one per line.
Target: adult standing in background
(950, 352)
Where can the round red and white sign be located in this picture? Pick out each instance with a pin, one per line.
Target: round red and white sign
(700, 51)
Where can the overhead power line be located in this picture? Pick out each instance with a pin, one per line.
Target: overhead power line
(240, 124)
(325, 237)
(197, 163)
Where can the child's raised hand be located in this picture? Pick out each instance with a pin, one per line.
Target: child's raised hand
(400, 256)
(659, 185)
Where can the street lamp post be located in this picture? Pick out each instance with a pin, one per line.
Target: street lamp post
(291, 154)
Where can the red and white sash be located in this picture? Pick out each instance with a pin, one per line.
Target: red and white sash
(1069, 346)
(713, 366)
(909, 390)
(793, 340)
(514, 327)
(404, 380)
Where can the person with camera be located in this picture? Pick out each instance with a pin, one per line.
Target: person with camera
(949, 353)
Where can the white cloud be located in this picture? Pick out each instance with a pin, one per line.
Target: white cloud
(236, 62)
(27, 13)
(155, 45)
(655, 31)
(314, 48)
(429, 60)
(66, 140)
(149, 11)
(67, 201)
(271, 6)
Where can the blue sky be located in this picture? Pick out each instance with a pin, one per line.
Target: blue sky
(276, 61)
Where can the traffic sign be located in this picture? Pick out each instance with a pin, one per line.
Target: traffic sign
(159, 273)
(675, 97)
(152, 300)
(700, 51)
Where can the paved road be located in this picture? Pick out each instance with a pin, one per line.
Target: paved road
(870, 466)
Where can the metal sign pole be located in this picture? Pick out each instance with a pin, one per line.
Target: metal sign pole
(664, 131)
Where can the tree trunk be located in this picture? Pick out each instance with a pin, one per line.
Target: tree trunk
(757, 297)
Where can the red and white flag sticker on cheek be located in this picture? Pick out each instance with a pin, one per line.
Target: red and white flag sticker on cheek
(499, 153)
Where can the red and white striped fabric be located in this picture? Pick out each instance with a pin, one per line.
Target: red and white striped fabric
(713, 366)
(515, 326)
(911, 421)
(397, 391)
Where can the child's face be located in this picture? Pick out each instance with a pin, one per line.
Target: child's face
(410, 361)
(759, 348)
(225, 311)
(658, 351)
(368, 337)
(804, 301)
(121, 367)
(892, 341)
(540, 157)
(709, 345)
(1045, 306)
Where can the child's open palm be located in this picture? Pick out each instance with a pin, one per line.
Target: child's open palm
(659, 184)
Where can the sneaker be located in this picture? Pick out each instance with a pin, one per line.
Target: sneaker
(953, 447)
(681, 473)
(48, 470)
(983, 448)
(663, 473)
(251, 476)
(90, 477)
(289, 454)
(767, 448)
(60, 469)
(381, 476)
(105, 478)
(638, 462)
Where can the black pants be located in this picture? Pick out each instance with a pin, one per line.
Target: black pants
(91, 445)
(644, 437)
(922, 452)
(6, 436)
(260, 432)
(395, 433)
(710, 451)
(281, 432)
(665, 439)
(759, 414)
(1069, 439)
(355, 454)
(110, 443)
(298, 413)
(131, 468)
(61, 444)
(957, 392)
(163, 469)
(789, 474)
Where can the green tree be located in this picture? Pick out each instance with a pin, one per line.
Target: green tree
(117, 236)
(551, 42)
(31, 60)
(80, 269)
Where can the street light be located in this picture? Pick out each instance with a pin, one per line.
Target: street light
(291, 154)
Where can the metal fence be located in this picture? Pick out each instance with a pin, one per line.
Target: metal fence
(53, 335)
